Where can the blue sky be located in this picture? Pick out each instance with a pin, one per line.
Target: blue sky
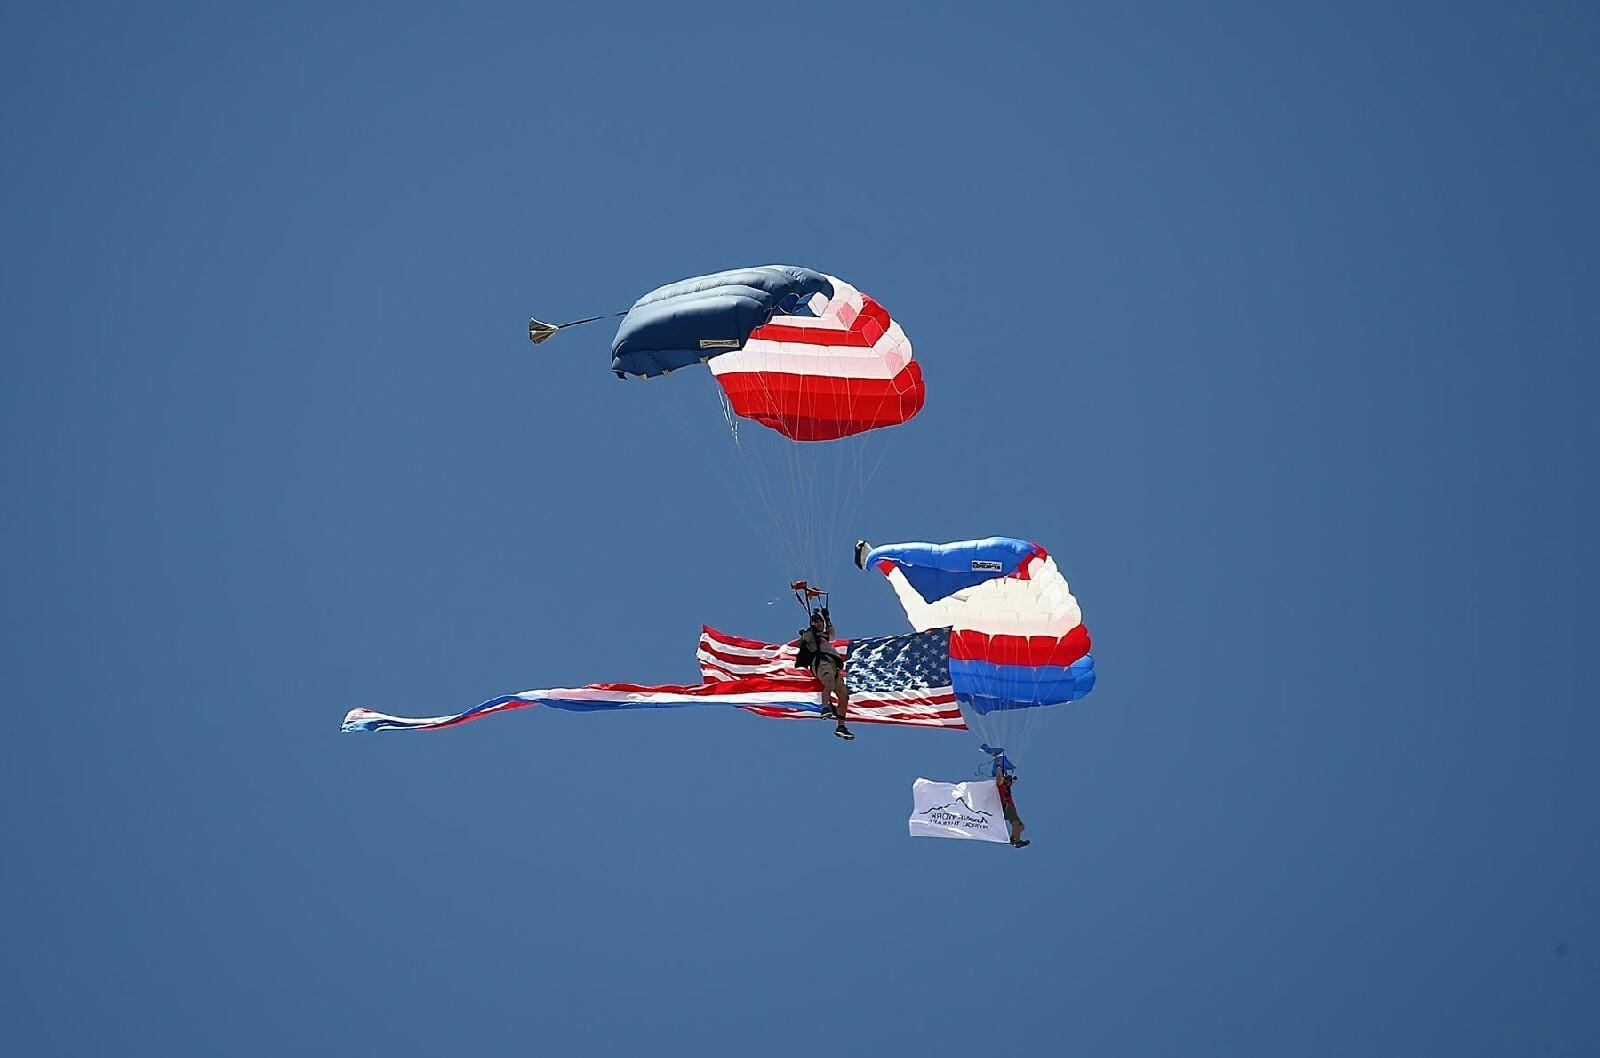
(1276, 325)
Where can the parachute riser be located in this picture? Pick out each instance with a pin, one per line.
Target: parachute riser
(804, 593)
(999, 762)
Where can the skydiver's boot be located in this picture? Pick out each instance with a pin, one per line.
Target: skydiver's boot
(843, 732)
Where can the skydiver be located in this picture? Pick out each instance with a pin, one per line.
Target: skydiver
(817, 653)
(1002, 781)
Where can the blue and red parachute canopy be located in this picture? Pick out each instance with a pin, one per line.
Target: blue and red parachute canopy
(1017, 640)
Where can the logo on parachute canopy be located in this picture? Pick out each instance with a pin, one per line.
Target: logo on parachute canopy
(719, 343)
(984, 565)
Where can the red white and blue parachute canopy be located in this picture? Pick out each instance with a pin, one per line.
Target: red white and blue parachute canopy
(803, 353)
(1017, 638)
(841, 368)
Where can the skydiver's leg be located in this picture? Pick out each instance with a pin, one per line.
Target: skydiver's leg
(830, 692)
(843, 695)
(827, 674)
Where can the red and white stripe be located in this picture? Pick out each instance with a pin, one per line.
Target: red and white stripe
(725, 657)
(844, 371)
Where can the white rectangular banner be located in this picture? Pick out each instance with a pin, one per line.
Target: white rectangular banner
(958, 810)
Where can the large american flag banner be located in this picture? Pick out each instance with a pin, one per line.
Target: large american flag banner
(903, 679)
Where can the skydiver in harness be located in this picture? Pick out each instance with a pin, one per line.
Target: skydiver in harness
(1003, 782)
(1005, 773)
(817, 654)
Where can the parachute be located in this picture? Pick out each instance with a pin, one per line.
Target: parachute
(821, 368)
(1017, 642)
(798, 351)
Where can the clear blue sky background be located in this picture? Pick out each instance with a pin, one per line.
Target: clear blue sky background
(1276, 326)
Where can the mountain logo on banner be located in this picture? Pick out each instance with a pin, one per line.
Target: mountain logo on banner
(949, 815)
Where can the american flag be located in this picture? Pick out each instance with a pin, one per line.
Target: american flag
(902, 679)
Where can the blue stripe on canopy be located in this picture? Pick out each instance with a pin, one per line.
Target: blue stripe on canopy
(694, 319)
(940, 570)
(986, 687)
